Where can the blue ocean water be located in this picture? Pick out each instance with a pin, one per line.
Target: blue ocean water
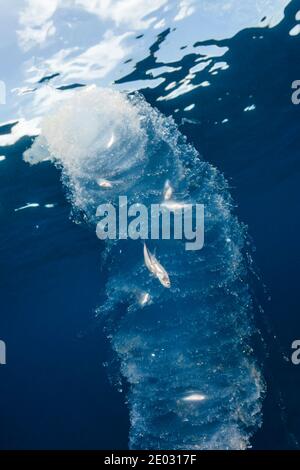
(55, 392)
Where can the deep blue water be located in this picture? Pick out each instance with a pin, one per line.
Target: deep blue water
(54, 391)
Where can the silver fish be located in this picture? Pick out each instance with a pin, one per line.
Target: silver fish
(156, 268)
(144, 299)
(103, 183)
(168, 191)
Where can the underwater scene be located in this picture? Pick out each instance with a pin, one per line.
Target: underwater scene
(149, 253)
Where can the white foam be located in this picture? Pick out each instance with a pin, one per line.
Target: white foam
(86, 152)
(146, 148)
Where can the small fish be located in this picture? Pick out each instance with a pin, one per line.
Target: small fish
(168, 191)
(156, 268)
(111, 141)
(104, 183)
(194, 397)
(28, 205)
(144, 298)
(174, 205)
